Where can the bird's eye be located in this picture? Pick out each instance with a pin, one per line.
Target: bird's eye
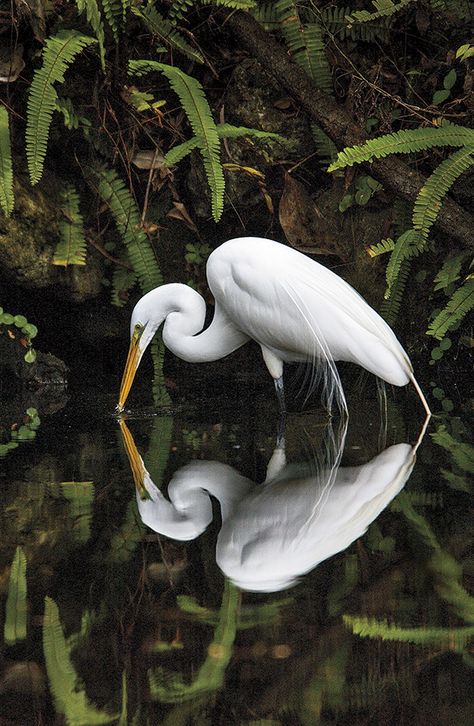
(138, 330)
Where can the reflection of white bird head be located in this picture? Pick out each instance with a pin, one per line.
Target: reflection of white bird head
(273, 533)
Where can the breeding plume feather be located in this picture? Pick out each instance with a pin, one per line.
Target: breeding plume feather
(293, 307)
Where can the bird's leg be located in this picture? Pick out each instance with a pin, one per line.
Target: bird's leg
(280, 391)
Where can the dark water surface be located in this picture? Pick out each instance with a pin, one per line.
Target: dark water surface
(331, 583)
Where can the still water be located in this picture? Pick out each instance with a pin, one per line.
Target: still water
(180, 568)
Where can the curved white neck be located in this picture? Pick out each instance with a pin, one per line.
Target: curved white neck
(184, 313)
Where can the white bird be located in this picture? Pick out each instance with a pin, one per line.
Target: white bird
(274, 532)
(293, 307)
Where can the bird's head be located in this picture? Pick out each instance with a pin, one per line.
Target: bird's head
(143, 326)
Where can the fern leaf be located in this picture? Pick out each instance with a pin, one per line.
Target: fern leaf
(385, 245)
(266, 15)
(58, 54)
(365, 627)
(196, 107)
(313, 57)
(325, 147)
(6, 168)
(390, 306)
(450, 271)
(71, 250)
(233, 4)
(114, 11)
(122, 282)
(70, 700)
(383, 9)
(224, 131)
(16, 607)
(333, 20)
(94, 18)
(80, 495)
(406, 247)
(121, 203)
(431, 195)
(305, 43)
(404, 142)
(166, 31)
(457, 308)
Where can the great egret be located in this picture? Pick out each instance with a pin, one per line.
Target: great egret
(274, 532)
(293, 307)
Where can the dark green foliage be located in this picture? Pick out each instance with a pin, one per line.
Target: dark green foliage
(58, 54)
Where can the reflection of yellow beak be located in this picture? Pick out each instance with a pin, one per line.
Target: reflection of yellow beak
(136, 463)
(131, 365)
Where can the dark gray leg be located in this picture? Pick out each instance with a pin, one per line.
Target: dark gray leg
(280, 391)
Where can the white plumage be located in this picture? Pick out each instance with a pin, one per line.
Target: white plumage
(293, 307)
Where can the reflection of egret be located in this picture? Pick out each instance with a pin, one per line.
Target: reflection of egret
(274, 532)
(293, 307)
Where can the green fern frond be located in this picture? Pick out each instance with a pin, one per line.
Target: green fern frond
(333, 20)
(325, 147)
(71, 250)
(460, 304)
(224, 131)
(233, 4)
(461, 452)
(58, 54)
(383, 9)
(196, 108)
(69, 698)
(123, 281)
(380, 248)
(14, 629)
(266, 15)
(312, 57)
(115, 12)
(7, 200)
(390, 306)
(431, 195)
(404, 142)
(408, 245)
(94, 18)
(450, 271)
(166, 31)
(365, 627)
(124, 210)
(305, 43)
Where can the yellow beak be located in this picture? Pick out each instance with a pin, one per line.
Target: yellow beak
(136, 463)
(131, 365)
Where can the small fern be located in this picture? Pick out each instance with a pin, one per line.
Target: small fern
(383, 9)
(450, 272)
(7, 200)
(91, 10)
(224, 131)
(408, 245)
(404, 142)
(325, 147)
(196, 108)
(71, 250)
(454, 638)
(460, 304)
(115, 12)
(123, 280)
(124, 210)
(166, 31)
(58, 54)
(72, 120)
(381, 248)
(16, 609)
(334, 21)
(430, 197)
(305, 43)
